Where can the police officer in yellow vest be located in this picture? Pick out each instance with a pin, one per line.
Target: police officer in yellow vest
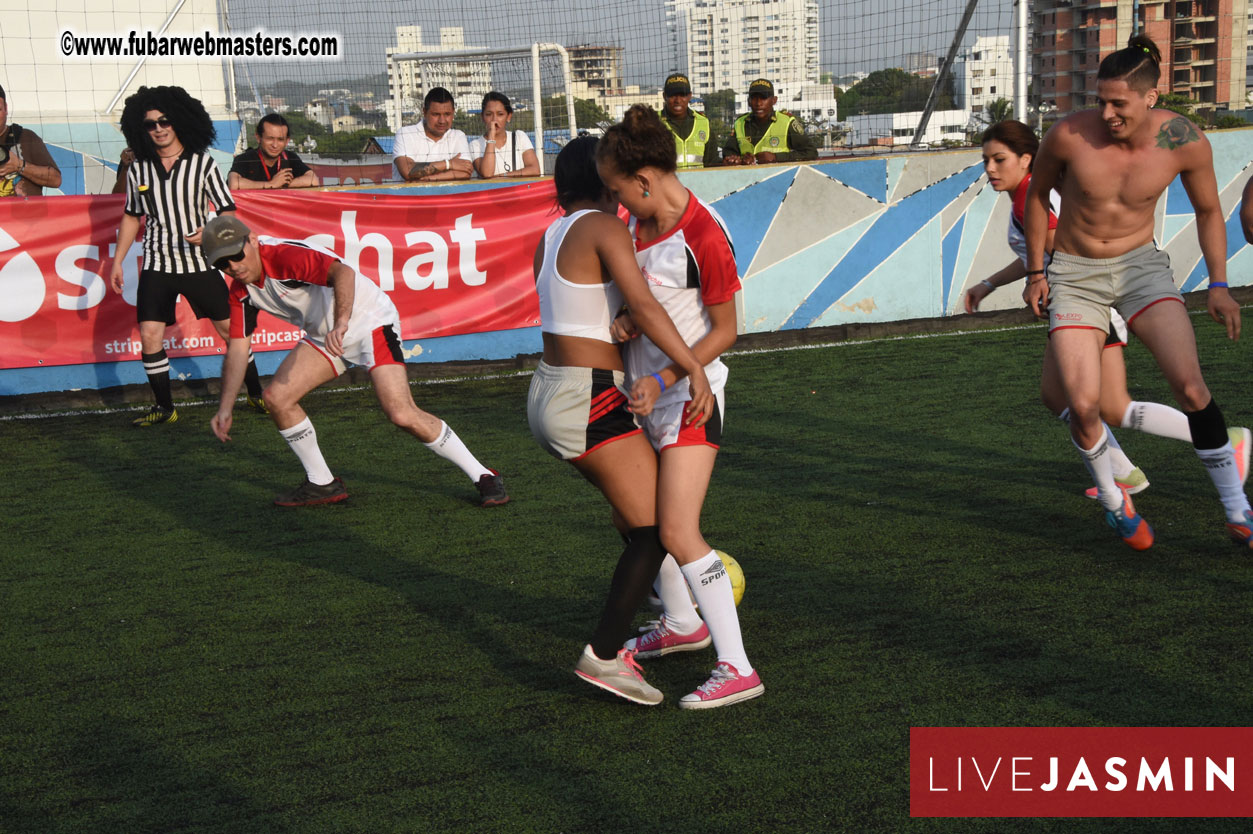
(762, 135)
(692, 137)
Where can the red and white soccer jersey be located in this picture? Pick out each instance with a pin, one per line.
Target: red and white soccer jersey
(1017, 215)
(688, 269)
(293, 288)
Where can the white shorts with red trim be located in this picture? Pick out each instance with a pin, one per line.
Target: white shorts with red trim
(380, 346)
(665, 426)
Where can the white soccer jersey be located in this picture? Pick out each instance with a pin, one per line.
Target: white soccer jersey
(293, 288)
(689, 268)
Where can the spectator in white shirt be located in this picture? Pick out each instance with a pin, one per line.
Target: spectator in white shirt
(501, 152)
(433, 149)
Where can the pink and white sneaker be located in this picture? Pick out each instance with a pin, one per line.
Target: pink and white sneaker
(622, 676)
(662, 641)
(725, 686)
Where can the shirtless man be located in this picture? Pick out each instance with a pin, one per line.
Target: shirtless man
(1110, 166)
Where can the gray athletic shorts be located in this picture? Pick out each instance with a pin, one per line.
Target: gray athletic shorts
(573, 411)
(1082, 290)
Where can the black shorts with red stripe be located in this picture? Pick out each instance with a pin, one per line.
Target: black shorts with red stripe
(608, 417)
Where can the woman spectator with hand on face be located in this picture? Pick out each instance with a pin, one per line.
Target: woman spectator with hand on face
(501, 152)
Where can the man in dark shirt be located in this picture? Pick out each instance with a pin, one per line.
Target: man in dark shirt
(764, 135)
(694, 140)
(270, 164)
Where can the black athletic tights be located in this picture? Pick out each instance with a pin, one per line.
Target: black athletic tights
(637, 568)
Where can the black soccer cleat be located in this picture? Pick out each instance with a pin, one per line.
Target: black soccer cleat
(492, 490)
(155, 416)
(310, 494)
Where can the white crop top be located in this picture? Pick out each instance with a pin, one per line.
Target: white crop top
(569, 309)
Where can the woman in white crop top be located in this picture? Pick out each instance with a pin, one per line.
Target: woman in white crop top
(577, 406)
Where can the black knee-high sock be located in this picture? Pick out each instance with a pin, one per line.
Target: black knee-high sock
(1209, 429)
(157, 367)
(251, 378)
(637, 566)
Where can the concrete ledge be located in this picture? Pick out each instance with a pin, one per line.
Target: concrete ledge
(208, 389)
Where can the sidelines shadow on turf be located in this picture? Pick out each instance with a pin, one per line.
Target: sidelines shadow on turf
(531, 640)
(120, 779)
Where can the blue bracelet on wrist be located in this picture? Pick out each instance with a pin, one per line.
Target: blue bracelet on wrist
(1213, 284)
(660, 382)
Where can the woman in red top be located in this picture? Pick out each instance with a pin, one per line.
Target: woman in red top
(684, 250)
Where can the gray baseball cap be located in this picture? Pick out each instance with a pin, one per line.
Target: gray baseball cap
(223, 236)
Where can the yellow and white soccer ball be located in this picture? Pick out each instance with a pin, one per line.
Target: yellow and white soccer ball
(735, 573)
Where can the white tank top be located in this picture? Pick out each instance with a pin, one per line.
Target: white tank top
(569, 309)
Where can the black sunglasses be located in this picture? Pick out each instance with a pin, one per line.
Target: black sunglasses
(221, 263)
(150, 125)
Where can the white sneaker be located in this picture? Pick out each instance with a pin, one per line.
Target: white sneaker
(622, 676)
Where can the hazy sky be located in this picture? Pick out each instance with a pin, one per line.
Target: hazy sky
(854, 34)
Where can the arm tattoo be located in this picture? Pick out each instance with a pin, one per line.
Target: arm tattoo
(1177, 132)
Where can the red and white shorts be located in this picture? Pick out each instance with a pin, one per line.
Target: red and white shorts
(665, 427)
(380, 346)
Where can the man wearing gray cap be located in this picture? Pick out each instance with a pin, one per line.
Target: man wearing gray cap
(346, 318)
(764, 135)
(693, 140)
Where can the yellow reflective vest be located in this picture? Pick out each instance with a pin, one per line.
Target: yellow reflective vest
(691, 151)
(774, 139)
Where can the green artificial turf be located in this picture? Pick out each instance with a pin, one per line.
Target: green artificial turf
(180, 656)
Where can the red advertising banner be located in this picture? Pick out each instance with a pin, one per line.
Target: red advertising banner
(451, 263)
(1080, 771)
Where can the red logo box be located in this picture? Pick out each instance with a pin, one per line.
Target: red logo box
(1081, 771)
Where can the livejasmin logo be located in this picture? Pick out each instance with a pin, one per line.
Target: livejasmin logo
(1150, 777)
(1080, 771)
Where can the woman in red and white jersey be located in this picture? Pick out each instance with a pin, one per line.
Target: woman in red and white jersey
(684, 251)
(1008, 149)
(577, 408)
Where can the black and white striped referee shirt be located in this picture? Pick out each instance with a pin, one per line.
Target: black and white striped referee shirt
(176, 203)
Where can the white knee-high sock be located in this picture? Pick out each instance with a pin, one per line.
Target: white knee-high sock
(1155, 418)
(712, 588)
(671, 585)
(1221, 465)
(1097, 460)
(1118, 458)
(303, 440)
(449, 447)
